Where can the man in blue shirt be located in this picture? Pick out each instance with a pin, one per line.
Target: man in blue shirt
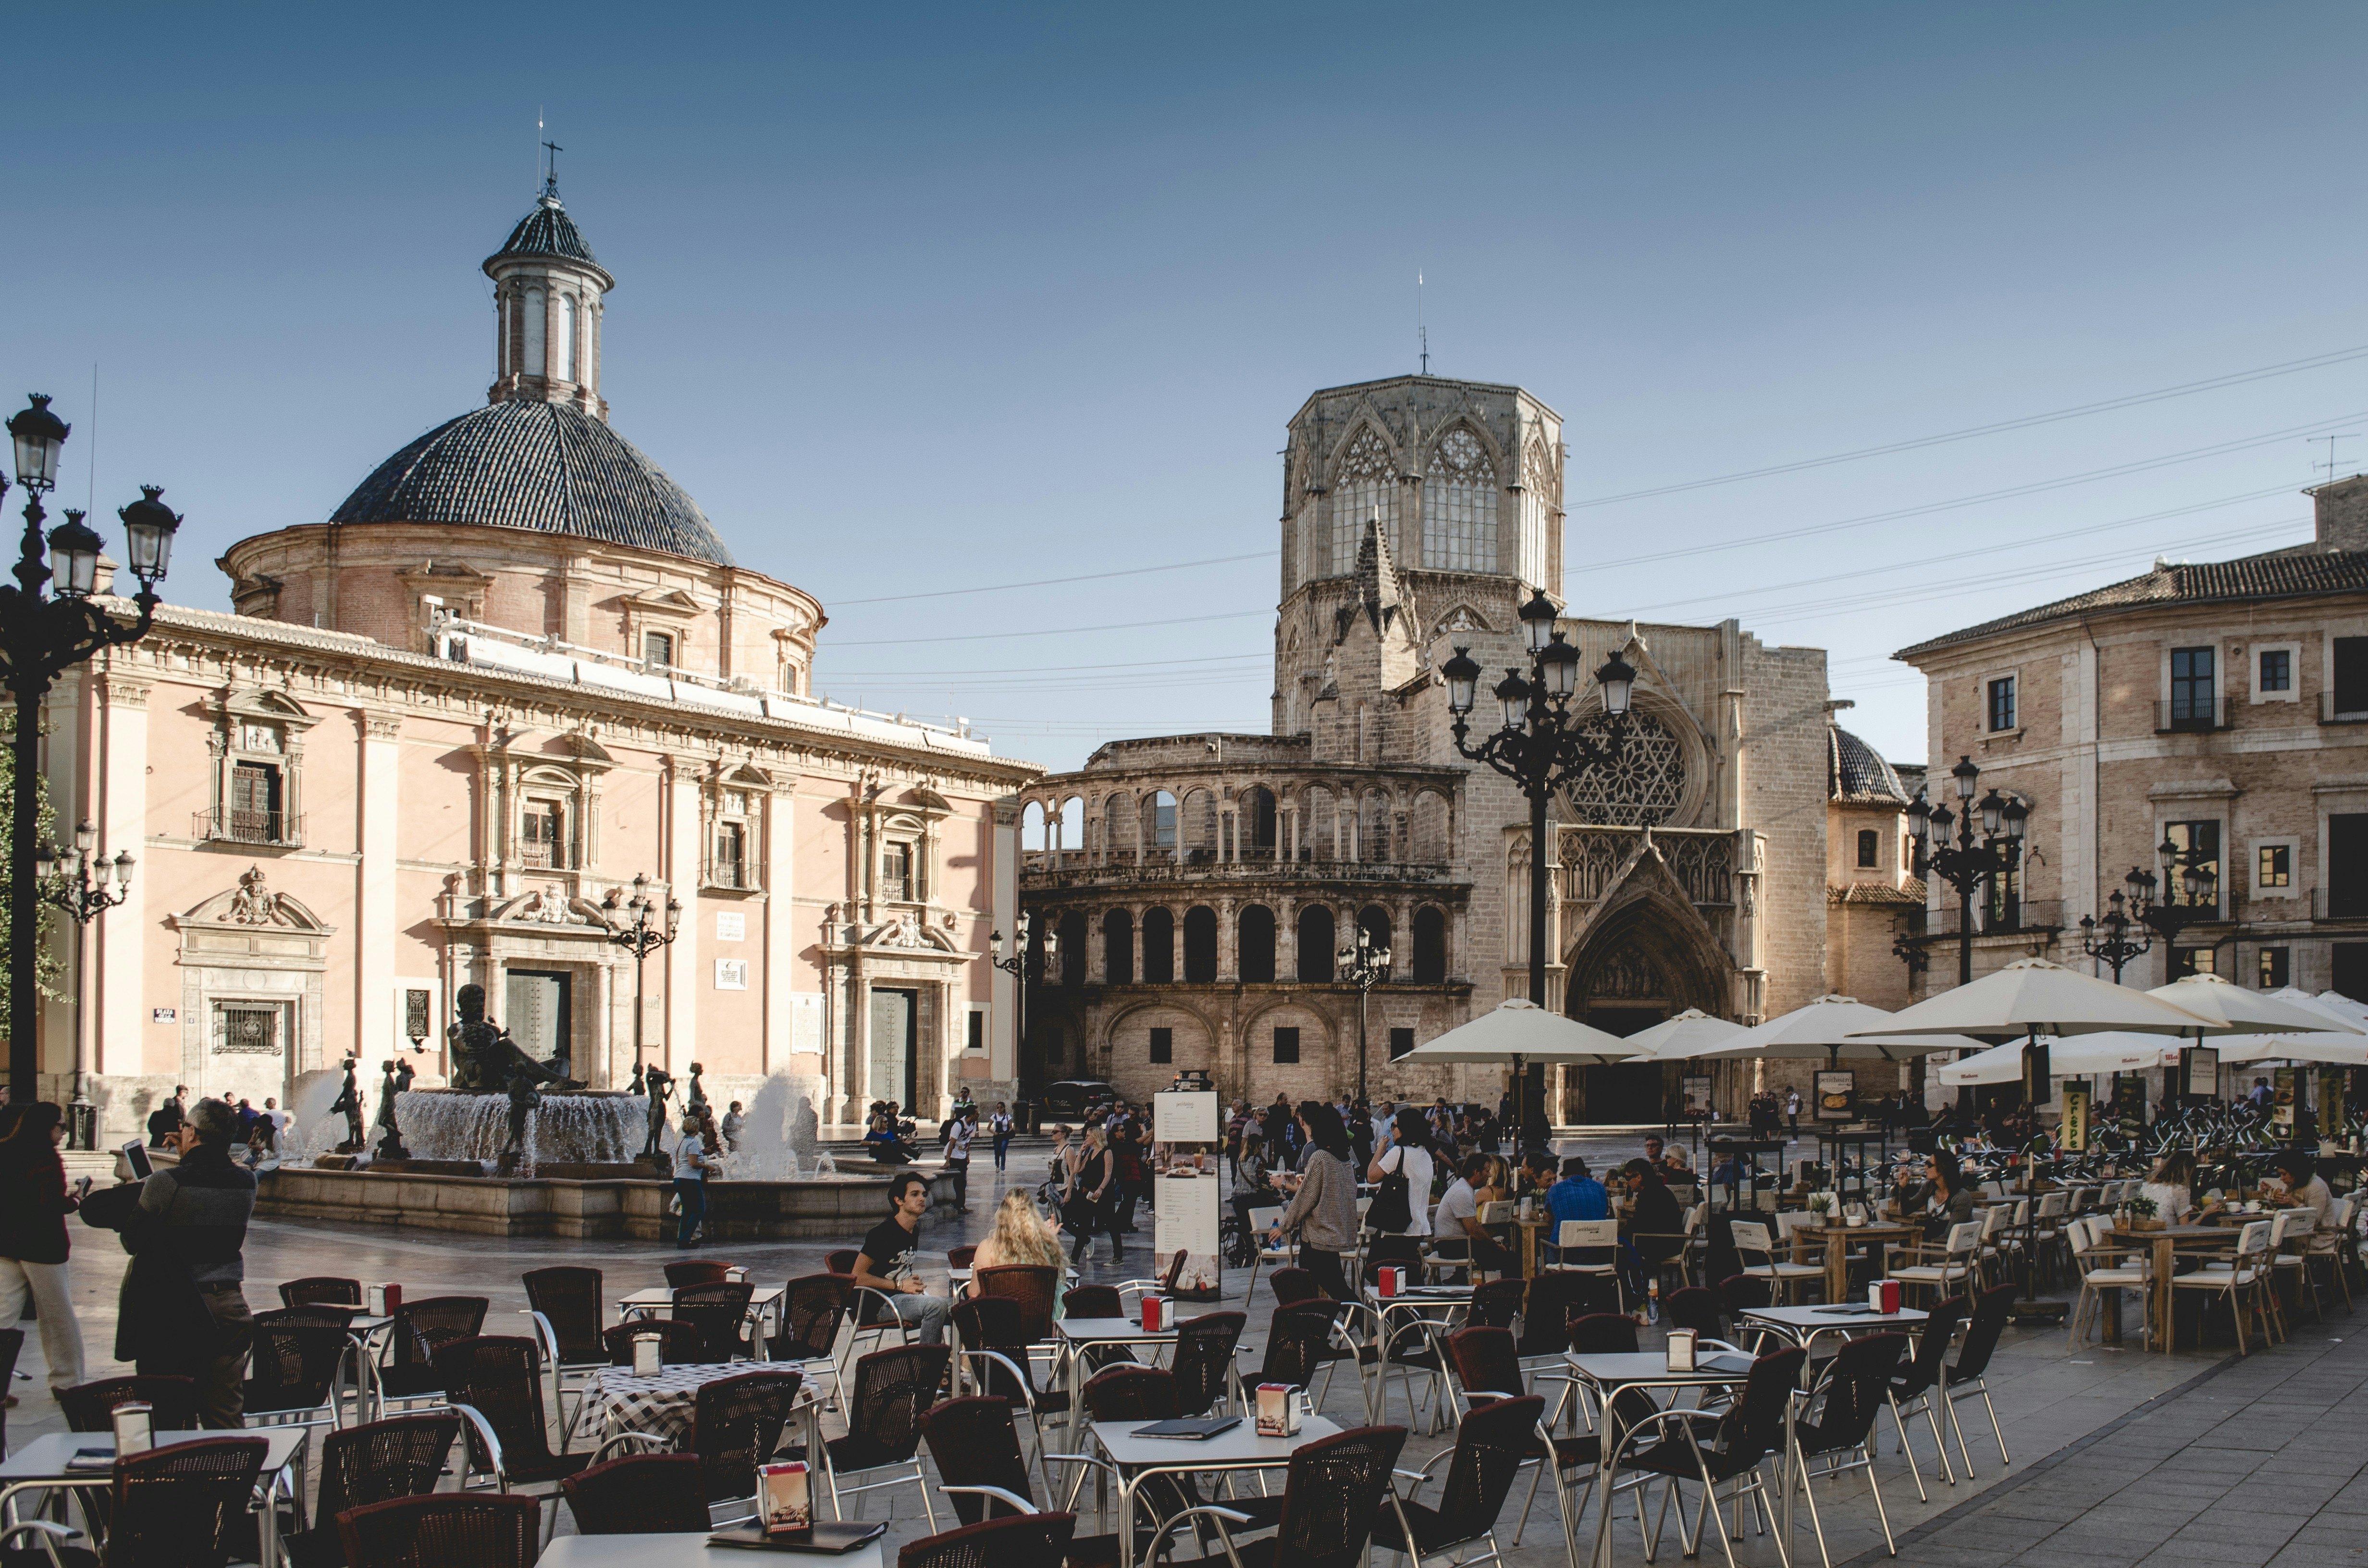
(1579, 1196)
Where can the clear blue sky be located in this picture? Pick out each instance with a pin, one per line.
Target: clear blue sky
(925, 298)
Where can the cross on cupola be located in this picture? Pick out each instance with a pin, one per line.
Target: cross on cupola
(550, 173)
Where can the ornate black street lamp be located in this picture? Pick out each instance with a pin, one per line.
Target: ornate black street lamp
(48, 625)
(2115, 945)
(1542, 746)
(1015, 963)
(82, 895)
(1972, 862)
(641, 925)
(1364, 966)
(2190, 872)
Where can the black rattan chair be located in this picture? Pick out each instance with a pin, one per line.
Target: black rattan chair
(1025, 1540)
(443, 1530)
(421, 1328)
(495, 1383)
(720, 1313)
(640, 1495)
(565, 1304)
(1911, 1390)
(885, 1399)
(679, 1344)
(697, 1271)
(1203, 1362)
(1681, 1446)
(399, 1457)
(975, 1445)
(299, 1355)
(1496, 1303)
(90, 1407)
(1334, 1493)
(183, 1506)
(1292, 1286)
(322, 1289)
(1839, 1428)
(1491, 1445)
(1967, 1377)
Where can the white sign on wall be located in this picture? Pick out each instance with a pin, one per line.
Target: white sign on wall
(732, 974)
(805, 1021)
(731, 926)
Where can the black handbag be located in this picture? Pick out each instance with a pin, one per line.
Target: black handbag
(1391, 1209)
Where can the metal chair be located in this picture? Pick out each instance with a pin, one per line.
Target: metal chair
(726, 1325)
(300, 1354)
(1492, 1443)
(1781, 1275)
(975, 1445)
(1332, 1497)
(639, 1494)
(1967, 1377)
(814, 1307)
(1711, 1451)
(1911, 1390)
(565, 1305)
(478, 1528)
(495, 1384)
(1845, 1404)
(2246, 1279)
(1206, 1372)
(185, 1505)
(995, 1360)
(1950, 1266)
(321, 1289)
(421, 1328)
(679, 1344)
(2102, 1268)
(371, 1462)
(1262, 1221)
(1026, 1541)
(886, 1400)
(90, 1407)
(698, 1271)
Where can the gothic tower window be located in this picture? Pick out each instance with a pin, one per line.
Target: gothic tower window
(1541, 500)
(1459, 504)
(1366, 482)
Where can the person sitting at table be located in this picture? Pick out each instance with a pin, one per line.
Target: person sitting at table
(2298, 1185)
(1537, 1172)
(1577, 1196)
(1323, 1210)
(1022, 1237)
(2171, 1186)
(1655, 1225)
(1943, 1191)
(886, 1261)
(1457, 1223)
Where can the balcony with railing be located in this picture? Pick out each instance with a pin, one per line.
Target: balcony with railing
(274, 829)
(1043, 869)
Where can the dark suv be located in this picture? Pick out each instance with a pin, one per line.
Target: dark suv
(1072, 1097)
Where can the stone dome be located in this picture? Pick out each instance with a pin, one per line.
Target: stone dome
(545, 467)
(1855, 771)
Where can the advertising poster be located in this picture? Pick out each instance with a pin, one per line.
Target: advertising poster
(2075, 1116)
(1697, 1092)
(1185, 1212)
(1837, 1091)
(2334, 1116)
(2283, 1083)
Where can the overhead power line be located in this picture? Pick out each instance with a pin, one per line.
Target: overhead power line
(1053, 630)
(2133, 400)
(1049, 582)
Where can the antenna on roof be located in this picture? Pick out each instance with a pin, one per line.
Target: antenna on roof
(1421, 332)
(2330, 464)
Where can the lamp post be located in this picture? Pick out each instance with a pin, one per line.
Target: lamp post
(82, 896)
(1542, 746)
(1015, 964)
(48, 625)
(1364, 966)
(2115, 945)
(1971, 862)
(2188, 871)
(647, 926)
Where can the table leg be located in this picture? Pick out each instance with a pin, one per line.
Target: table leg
(1837, 1266)
(2162, 1298)
(2109, 1303)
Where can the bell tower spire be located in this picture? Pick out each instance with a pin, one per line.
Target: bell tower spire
(548, 294)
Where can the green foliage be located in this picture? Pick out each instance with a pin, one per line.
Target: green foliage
(49, 968)
(2142, 1207)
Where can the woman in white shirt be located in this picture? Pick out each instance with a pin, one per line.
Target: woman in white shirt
(2171, 1187)
(1408, 1149)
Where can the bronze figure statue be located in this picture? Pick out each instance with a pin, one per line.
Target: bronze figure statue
(523, 1100)
(660, 1083)
(349, 1101)
(397, 1079)
(484, 1057)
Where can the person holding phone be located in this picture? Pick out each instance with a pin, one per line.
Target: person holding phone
(34, 1202)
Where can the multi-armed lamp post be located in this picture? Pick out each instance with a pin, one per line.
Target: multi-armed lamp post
(641, 925)
(49, 623)
(94, 884)
(2109, 938)
(1015, 964)
(1972, 862)
(1542, 746)
(1364, 966)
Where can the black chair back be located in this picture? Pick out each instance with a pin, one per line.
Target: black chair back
(720, 1313)
(992, 1322)
(1931, 1349)
(976, 1443)
(1032, 1286)
(183, 1506)
(679, 1344)
(640, 1495)
(1299, 1342)
(297, 1353)
(1753, 1426)
(90, 1407)
(893, 1389)
(483, 1530)
(1293, 1285)
(1696, 1308)
(737, 1426)
(1991, 1310)
(570, 1298)
(1204, 1359)
(1023, 1541)
(1557, 1296)
(1486, 1360)
(813, 1307)
(1093, 1301)
(1852, 1393)
(399, 1457)
(1604, 1333)
(698, 1271)
(1333, 1493)
(498, 1378)
(1131, 1394)
(1741, 1292)
(1497, 1303)
(1491, 1444)
(321, 1289)
(423, 1328)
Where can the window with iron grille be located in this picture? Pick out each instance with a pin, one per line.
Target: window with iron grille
(2191, 687)
(658, 650)
(255, 803)
(541, 831)
(248, 1031)
(731, 869)
(896, 873)
(2002, 703)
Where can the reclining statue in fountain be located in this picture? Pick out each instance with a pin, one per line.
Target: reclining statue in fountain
(485, 1059)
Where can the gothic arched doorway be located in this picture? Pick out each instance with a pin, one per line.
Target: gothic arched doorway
(1636, 965)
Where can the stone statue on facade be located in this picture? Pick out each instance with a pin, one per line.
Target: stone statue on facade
(659, 1082)
(484, 1057)
(349, 1101)
(397, 1079)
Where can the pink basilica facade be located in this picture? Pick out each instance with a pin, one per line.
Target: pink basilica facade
(441, 734)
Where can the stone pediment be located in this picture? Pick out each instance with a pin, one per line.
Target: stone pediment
(253, 903)
(550, 905)
(263, 704)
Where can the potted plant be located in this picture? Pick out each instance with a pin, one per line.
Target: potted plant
(2143, 1213)
(1821, 1204)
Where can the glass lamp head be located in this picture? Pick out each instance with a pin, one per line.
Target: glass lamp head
(1558, 665)
(73, 556)
(1967, 774)
(1618, 679)
(1462, 675)
(1537, 622)
(1513, 700)
(148, 528)
(38, 433)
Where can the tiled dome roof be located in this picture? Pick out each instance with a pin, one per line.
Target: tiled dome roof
(547, 467)
(547, 231)
(1856, 771)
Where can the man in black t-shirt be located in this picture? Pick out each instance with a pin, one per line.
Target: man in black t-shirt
(886, 1262)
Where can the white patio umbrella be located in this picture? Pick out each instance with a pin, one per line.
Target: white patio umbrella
(2032, 998)
(1690, 1033)
(2077, 1057)
(2344, 1007)
(2253, 1012)
(2344, 1043)
(1521, 1032)
(1838, 1026)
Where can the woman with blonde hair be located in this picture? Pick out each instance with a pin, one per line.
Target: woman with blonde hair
(1021, 1236)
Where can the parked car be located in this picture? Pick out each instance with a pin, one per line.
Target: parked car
(1074, 1098)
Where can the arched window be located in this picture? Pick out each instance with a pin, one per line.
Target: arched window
(1458, 505)
(1541, 500)
(1314, 945)
(1159, 947)
(1253, 823)
(1365, 482)
(536, 326)
(1197, 827)
(1256, 936)
(1375, 922)
(1429, 945)
(1034, 836)
(1158, 821)
(1118, 947)
(1073, 948)
(1869, 850)
(566, 357)
(1200, 945)
(1378, 846)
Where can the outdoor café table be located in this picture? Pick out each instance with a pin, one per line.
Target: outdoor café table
(366, 1332)
(688, 1549)
(2161, 1243)
(1530, 1229)
(40, 1465)
(1237, 1447)
(1801, 1325)
(1837, 1239)
(1081, 1335)
(618, 1399)
(1607, 1374)
(765, 1302)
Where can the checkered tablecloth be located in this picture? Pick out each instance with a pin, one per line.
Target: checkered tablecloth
(661, 1404)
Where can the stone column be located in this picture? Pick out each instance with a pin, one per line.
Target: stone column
(377, 919)
(117, 940)
(1228, 943)
(679, 1042)
(780, 828)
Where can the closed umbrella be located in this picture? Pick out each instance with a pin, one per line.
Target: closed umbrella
(2077, 1057)
(1690, 1033)
(1838, 1026)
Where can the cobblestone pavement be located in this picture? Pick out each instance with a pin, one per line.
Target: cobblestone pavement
(2119, 1455)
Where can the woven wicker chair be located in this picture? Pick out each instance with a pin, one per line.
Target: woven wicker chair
(185, 1505)
(421, 1328)
(886, 1400)
(399, 1457)
(1203, 1362)
(697, 1271)
(720, 1312)
(495, 1383)
(814, 1308)
(299, 1355)
(1492, 1443)
(443, 1530)
(90, 1407)
(321, 1289)
(1026, 1541)
(640, 1495)
(1334, 1493)
(564, 1305)
(679, 1344)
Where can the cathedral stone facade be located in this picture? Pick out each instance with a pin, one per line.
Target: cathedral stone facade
(1200, 886)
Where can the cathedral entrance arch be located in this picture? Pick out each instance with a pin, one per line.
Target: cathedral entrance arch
(1636, 964)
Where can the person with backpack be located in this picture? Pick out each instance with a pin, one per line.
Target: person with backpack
(1403, 1168)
